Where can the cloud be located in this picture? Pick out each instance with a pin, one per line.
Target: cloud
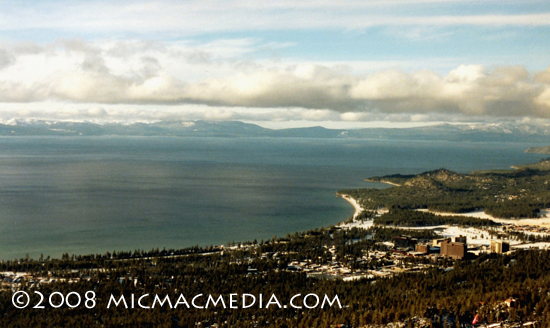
(191, 17)
(141, 73)
(307, 86)
(469, 90)
(6, 59)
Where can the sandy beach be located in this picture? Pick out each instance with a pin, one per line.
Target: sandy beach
(352, 201)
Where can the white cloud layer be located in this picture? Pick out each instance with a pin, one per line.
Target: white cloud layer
(141, 73)
(202, 16)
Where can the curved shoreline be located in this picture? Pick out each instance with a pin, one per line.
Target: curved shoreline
(353, 202)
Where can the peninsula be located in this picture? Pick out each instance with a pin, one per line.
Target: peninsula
(519, 193)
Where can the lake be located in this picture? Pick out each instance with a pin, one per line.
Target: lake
(82, 195)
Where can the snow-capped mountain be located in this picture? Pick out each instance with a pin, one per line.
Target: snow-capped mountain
(455, 132)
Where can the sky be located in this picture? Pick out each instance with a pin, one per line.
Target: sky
(277, 63)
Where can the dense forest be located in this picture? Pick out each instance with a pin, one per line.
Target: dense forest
(446, 292)
(520, 193)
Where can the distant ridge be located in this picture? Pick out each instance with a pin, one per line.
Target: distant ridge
(508, 132)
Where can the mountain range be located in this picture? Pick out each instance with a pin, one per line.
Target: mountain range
(462, 132)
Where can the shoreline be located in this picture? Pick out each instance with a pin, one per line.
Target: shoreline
(353, 202)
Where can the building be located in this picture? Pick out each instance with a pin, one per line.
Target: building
(437, 242)
(424, 249)
(404, 242)
(499, 247)
(459, 239)
(453, 250)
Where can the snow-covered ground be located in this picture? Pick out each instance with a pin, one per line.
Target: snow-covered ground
(544, 219)
(540, 245)
(474, 236)
(357, 224)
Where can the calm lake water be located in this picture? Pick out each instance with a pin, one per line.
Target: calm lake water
(97, 194)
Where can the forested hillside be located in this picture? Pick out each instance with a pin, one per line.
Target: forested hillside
(518, 193)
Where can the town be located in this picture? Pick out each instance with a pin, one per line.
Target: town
(358, 251)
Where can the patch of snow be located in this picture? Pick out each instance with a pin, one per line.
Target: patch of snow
(541, 245)
(357, 224)
(542, 221)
